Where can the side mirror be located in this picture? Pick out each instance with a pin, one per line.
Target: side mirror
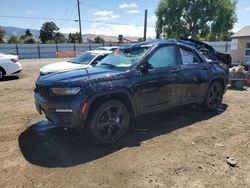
(145, 66)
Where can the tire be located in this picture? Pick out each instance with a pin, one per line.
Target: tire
(214, 96)
(1, 74)
(109, 122)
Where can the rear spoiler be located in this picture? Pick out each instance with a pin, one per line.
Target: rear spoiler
(208, 50)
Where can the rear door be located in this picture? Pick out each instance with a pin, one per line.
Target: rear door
(194, 75)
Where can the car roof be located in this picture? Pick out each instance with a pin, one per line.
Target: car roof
(157, 42)
(99, 52)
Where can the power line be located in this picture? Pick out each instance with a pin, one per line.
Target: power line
(38, 18)
(75, 20)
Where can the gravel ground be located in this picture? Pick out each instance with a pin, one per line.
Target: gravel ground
(185, 147)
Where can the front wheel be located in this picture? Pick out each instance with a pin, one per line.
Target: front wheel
(214, 96)
(109, 122)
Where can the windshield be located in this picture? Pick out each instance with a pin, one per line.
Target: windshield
(124, 57)
(84, 58)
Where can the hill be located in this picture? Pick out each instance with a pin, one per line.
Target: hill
(86, 37)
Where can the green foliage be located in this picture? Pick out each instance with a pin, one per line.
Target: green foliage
(99, 40)
(74, 38)
(47, 31)
(59, 38)
(2, 33)
(27, 38)
(198, 19)
(28, 33)
(50, 42)
(13, 39)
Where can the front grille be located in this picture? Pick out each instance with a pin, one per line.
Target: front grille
(43, 91)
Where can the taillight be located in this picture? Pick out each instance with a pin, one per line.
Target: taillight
(14, 60)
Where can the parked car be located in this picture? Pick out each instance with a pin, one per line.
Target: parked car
(85, 59)
(143, 78)
(108, 48)
(9, 64)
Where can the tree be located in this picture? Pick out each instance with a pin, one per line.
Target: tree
(59, 38)
(28, 33)
(13, 39)
(74, 38)
(198, 19)
(47, 31)
(99, 40)
(27, 38)
(2, 33)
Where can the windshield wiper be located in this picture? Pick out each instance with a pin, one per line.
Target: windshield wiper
(108, 65)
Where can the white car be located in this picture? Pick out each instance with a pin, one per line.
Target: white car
(108, 48)
(9, 64)
(83, 60)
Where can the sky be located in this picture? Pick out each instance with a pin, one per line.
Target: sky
(107, 17)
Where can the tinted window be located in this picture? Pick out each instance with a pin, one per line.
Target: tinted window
(188, 56)
(163, 57)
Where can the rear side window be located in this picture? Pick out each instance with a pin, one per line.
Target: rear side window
(188, 56)
(163, 57)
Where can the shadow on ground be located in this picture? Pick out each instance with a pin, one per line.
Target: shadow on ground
(9, 78)
(44, 145)
(245, 88)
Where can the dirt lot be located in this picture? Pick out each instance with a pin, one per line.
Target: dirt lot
(179, 148)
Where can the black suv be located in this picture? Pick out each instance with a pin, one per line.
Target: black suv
(137, 79)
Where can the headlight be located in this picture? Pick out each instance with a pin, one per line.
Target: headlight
(65, 91)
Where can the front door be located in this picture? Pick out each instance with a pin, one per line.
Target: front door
(159, 86)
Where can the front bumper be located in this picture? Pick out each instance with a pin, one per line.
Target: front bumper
(62, 111)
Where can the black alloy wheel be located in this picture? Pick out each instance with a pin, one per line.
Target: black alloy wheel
(214, 96)
(109, 123)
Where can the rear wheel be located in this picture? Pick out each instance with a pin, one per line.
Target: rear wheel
(1, 74)
(109, 122)
(214, 96)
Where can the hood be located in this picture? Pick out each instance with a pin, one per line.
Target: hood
(77, 76)
(61, 67)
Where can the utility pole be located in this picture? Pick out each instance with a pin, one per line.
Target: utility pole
(145, 24)
(79, 20)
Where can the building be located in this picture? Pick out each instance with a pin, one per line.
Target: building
(240, 46)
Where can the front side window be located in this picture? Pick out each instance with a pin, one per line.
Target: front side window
(247, 52)
(163, 57)
(188, 56)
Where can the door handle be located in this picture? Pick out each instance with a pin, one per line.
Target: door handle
(175, 70)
